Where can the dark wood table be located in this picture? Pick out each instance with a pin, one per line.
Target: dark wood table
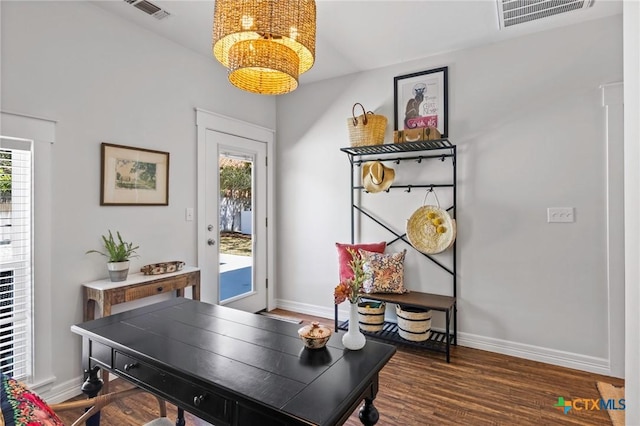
(231, 367)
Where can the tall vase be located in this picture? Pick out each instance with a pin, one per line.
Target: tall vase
(353, 338)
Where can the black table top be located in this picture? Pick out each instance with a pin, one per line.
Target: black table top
(252, 356)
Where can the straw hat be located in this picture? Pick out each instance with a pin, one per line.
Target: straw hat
(431, 230)
(376, 176)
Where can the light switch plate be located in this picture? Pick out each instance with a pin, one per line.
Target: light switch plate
(560, 214)
(188, 214)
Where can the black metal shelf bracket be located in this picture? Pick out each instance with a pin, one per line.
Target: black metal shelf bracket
(430, 186)
(432, 145)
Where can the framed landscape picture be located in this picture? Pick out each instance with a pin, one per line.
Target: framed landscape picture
(133, 176)
(420, 100)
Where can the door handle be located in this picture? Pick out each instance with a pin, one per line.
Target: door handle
(211, 242)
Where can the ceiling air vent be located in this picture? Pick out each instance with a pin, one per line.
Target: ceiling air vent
(514, 12)
(149, 8)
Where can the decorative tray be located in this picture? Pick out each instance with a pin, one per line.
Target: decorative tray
(162, 268)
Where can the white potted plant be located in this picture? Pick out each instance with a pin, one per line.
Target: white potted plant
(119, 254)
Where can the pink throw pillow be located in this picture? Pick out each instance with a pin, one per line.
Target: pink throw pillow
(344, 257)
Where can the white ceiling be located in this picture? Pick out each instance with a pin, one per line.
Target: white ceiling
(360, 35)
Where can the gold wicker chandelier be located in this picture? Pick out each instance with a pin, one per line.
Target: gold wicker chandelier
(265, 44)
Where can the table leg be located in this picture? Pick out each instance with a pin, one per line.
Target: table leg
(368, 413)
(91, 387)
(106, 308)
(89, 309)
(195, 291)
(106, 311)
(180, 420)
(448, 337)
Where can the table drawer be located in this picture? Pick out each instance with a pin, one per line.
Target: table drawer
(190, 397)
(154, 288)
(101, 353)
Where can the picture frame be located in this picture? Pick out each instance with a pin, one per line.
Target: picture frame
(420, 100)
(131, 176)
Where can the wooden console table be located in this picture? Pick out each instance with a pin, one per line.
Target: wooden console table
(137, 286)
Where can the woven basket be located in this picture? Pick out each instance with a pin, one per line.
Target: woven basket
(366, 129)
(430, 229)
(413, 324)
(371, 315)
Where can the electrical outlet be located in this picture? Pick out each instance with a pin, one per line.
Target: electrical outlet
(560, 214)
(188, 214)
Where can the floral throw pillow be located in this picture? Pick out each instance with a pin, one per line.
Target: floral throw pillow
(383, 272)
(21, 407)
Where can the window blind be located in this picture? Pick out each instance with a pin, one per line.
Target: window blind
(16, 287)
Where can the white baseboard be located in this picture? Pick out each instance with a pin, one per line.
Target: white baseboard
(303, 308)
(63, 391)
(67, 390)
(316, 311)
(537, 353)
(505, 347)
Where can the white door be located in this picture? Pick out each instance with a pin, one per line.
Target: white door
(236, 215)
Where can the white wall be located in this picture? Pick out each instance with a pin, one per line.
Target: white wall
(105, 80)
(526, 115)
(632, 208)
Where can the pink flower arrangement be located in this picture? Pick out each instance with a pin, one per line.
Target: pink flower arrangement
(350, 288)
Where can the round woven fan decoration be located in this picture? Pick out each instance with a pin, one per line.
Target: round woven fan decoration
(431, 230)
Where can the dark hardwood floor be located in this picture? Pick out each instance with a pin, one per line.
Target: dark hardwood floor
(419, 388)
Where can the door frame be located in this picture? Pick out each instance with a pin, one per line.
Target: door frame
(613, 113)
(207, 120)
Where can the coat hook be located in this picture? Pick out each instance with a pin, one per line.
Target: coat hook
(442, 158)
(397, 161)
(408, 188)
(419, 159)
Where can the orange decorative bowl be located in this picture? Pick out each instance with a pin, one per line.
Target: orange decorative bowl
(315, 335)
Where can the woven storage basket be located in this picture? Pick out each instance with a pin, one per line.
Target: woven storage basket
(413, 324)
(366, 129)
(371, 315)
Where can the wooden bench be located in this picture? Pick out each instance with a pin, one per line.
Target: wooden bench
(438, 341)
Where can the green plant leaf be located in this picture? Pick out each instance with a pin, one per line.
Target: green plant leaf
(119, 251)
